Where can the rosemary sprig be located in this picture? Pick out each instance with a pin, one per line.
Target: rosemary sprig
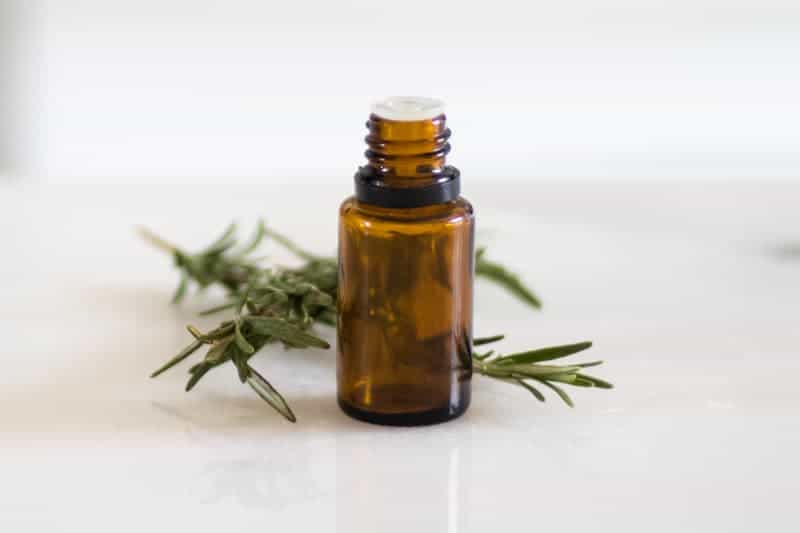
(524, 368)
(281, 305)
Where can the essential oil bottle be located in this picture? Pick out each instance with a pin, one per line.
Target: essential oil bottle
(406, 252)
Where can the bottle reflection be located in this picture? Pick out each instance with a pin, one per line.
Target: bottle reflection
(386, 485)
(453, 492)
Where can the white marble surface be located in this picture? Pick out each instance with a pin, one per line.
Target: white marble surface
(686, 290)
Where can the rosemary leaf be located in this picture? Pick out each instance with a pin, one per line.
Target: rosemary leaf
(597, 382)
(283, 330)
(241, 342)
(218, 352)
(536, 370)
(223, 242)
(544, 354)
(290, 245)
(216, 334)
(197, 374)
(570, 379)
(267, 392)
(589, 364)
(558, 390)
(219, 308)
(486, 340)
(186, 352)
(180, 292)
(539, 396)
(511, 282)
(483, 357)
(196, 333)
(255, 240)
(239, 359)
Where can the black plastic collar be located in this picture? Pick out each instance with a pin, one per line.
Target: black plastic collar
(370, 190)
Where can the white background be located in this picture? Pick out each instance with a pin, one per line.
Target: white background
(260, 91)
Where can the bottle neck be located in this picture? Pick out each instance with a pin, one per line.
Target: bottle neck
(405, 154)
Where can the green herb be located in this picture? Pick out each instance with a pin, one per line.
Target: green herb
(525, 368)
(273, 305)
(498, 273)
(789, 250)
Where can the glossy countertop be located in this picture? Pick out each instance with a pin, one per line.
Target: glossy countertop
(690, 292)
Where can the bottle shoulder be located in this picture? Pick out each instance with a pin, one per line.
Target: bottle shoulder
(455, 212)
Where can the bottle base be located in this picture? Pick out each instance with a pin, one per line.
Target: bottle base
(420, 418)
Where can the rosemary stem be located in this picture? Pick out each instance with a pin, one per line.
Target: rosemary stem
(156, 241)
(289, 245)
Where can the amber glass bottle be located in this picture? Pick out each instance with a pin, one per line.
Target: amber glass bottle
(405, 274)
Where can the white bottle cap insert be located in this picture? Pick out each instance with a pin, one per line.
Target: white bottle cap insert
(408, 108)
